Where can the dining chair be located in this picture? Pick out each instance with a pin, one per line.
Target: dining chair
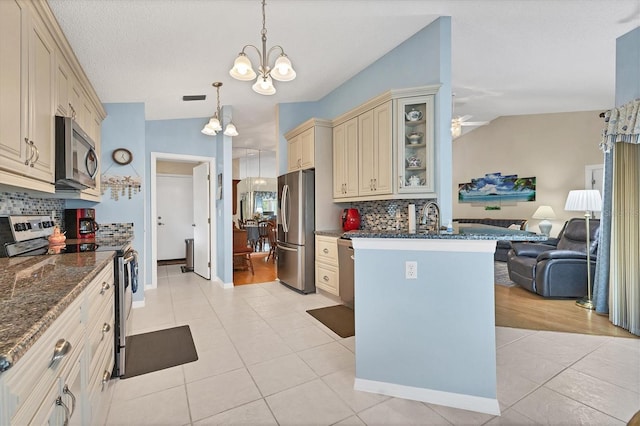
(273, 244)
(263, 234)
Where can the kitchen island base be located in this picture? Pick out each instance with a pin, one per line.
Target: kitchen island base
(431, 338)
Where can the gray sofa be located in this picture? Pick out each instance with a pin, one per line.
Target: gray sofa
(503, 247)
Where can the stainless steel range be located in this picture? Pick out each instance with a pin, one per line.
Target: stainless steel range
(27, 235)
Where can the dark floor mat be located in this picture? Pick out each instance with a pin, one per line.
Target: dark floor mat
(339, 319)
(158, 350)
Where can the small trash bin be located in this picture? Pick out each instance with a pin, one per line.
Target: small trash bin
(188, 255)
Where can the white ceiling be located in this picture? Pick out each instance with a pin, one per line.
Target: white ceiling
(509, 57)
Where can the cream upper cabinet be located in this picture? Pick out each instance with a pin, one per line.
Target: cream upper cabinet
(375, 151)
(26, 103)
(63, 86)
(415, 145)
(300, 151)
(345, 159)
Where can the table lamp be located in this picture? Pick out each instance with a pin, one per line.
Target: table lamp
(545, 213)
(586, 200)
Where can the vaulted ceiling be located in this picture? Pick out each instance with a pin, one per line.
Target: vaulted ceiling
(508, 57)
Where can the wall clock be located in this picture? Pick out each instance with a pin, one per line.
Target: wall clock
(122, 156)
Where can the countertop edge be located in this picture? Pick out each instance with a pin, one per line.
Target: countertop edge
(11, 357)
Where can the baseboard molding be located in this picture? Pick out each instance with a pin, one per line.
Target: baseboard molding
(226, 285)
(449, 399)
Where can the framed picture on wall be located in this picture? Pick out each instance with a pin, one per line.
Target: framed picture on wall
(219, 186)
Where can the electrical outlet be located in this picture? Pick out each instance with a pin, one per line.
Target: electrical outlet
(411, 270)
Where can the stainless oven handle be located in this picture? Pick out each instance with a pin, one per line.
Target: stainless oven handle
(130, 256)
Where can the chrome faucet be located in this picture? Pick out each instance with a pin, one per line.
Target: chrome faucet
(430, 217)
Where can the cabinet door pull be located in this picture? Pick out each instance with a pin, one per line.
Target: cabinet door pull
(105, 287)
(326, 278)
(66, 410)
(106, 376)
(67, 391)
(105, 329)
(37, 154)
(62, 348)
(30, 147)
(325, 250)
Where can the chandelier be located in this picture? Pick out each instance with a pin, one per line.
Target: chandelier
(281, 70)
(214, 126)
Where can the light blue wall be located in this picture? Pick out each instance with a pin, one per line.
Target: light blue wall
(435, 332)
(183, 136)
(224, 209)
(628, 67)
(429, 51)
(124, 127)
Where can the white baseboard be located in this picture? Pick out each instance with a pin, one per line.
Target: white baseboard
(449, 399)
(226, 285)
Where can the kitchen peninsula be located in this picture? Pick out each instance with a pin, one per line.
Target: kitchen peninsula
(425, 317)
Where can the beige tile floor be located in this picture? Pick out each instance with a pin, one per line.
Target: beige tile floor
(264, 361)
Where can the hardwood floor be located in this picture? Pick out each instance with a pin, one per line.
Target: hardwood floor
(519, 308)
(264, 271)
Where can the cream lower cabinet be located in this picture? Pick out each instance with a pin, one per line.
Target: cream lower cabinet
(327, 277)
(27, 105)
(74, 389)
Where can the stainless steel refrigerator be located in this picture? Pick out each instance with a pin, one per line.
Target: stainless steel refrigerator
(296, 225)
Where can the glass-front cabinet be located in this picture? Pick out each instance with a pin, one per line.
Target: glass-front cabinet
(415, 144)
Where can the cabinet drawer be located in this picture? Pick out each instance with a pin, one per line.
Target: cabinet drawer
(100, 292)
(327, 249)
(327, 278)
(32, 377)
(100, 334)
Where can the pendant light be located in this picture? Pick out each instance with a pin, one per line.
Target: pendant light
(282, 70)
(214, 125)
(260, 180)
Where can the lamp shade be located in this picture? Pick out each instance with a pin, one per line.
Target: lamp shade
(264, 86)
(544, 212)
(584, 200)
(282, 69)
(242, 69)
(231, 130)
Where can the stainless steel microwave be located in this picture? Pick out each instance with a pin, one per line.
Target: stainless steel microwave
(76, 158)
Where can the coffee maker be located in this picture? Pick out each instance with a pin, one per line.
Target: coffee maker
(80, 223)
(350, 219)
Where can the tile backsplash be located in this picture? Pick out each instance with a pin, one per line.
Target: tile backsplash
(387, 214)
(12, 203)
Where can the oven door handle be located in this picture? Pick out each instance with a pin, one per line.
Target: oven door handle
(130, 256)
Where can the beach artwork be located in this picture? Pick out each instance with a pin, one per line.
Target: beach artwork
(495, 188)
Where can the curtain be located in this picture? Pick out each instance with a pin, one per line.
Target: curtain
(618, 272)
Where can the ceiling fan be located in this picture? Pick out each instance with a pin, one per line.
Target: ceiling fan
(458, 122)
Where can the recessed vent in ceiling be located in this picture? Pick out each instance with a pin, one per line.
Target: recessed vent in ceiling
(194, 97)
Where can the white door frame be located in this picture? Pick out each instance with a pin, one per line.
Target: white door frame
(155, 156)
(588, 174)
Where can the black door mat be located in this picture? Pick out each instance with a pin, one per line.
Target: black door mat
(339, 319)
(158, 350)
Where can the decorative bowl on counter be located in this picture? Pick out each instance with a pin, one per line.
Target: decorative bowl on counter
(414, 138)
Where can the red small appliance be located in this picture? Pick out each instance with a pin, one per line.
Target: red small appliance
(350, 219)
(80, 223)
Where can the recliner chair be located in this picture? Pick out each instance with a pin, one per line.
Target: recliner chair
(556, 271)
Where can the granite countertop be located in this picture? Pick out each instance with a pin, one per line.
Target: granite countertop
(465, 232)
(331, 233)
(35, 290)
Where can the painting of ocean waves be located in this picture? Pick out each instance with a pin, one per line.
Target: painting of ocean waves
(494, 187)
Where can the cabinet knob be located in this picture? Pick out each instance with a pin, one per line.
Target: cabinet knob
(105, 287)
(106, 376)
(326, 278)
(105, 329)
(61, 349)
(325, 251)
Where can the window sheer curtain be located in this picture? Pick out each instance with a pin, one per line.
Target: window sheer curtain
(617, 279)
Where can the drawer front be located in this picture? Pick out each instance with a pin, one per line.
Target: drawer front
(32, 377)
(327, 278)
(100, 334)
(327, 249)
(100, 292)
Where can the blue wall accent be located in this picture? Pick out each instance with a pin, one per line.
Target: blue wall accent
(628, 67)
(183, 136)
(124, 127)
(435, 332)
(423, 59)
